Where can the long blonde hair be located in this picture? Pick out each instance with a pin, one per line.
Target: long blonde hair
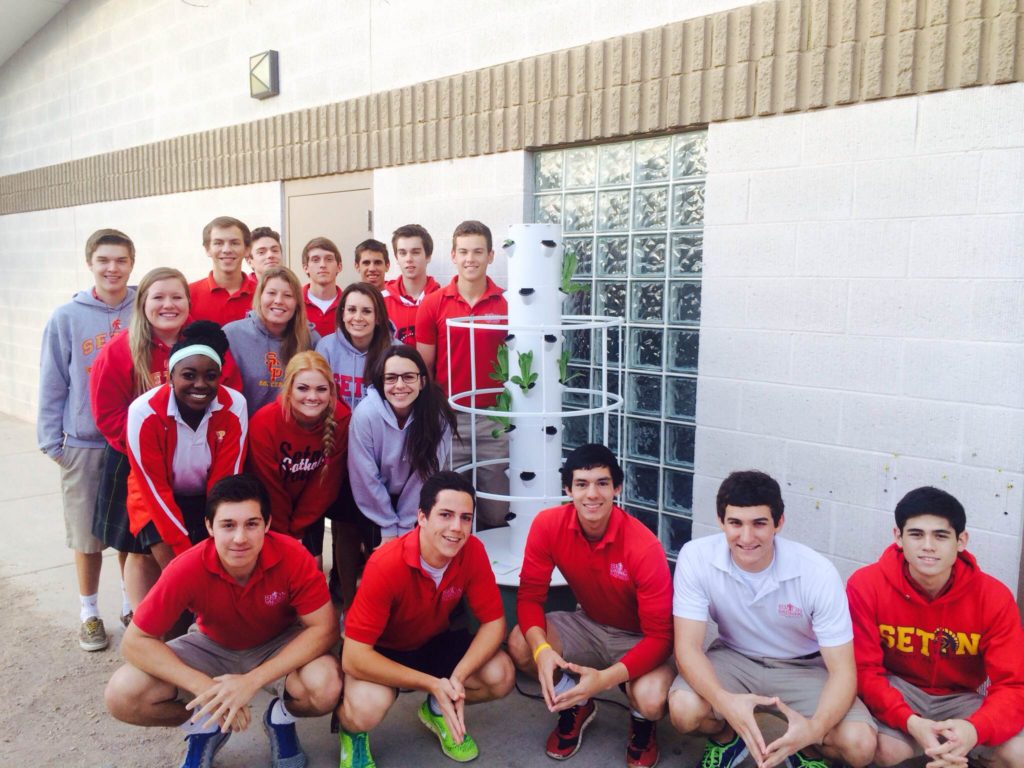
(296, 336)
(312, 361)
(140, 332)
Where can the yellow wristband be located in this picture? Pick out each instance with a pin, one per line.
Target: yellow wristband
(538, 649)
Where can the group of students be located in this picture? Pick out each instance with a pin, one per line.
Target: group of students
(154, 400)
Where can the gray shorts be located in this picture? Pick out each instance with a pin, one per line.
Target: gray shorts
(798, 682)
(200, 652)
(588, 643)
(80, 471)
(954, 706)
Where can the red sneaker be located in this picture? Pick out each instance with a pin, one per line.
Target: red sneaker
(566, 739)
(642, 747)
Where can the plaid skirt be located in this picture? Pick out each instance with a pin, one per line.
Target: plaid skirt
(110, 523)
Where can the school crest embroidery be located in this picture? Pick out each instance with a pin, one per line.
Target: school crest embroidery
(273, 598)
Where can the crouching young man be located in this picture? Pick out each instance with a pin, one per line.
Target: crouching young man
(263, 613)
(397, 632)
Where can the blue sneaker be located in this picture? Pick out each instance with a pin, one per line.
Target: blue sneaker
(285, 750)
(202, 747)
(724, 755)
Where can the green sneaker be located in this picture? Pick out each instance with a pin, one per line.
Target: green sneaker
(460, 753)
(355, 750)
(723, 755)
(800, 760)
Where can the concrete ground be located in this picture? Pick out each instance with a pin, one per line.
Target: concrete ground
(36, 567)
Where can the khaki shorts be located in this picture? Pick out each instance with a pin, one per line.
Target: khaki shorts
(588, 643)
(80, 471)
(954, 706)
(200, 652)
(798, 682)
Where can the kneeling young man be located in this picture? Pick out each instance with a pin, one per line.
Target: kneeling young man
(263, 613)
(785, 640)
(929, 627)
(620, 634)
(397, 632)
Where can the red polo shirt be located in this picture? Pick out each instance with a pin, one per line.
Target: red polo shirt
(322, 320)
(211, 302)
(622, 580)
(397, 605)
(402, 308)
(431, 328)
(286, 584)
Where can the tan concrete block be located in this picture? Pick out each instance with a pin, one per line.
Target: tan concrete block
(417, 142)
(613, 111)
(483, 90)
(695, 111)
(430, 141)
(937, 12)
(764, 99)
(579, 70)
(615, 60)
(444, 86)
(407, 105)
(419, 105)
(362, 114)
(470, 93)
(907, 15)
(458, 105)
(848, 20)
(498, 140)
(528, 116)
(305, 129)
(391, 109)
(874, 68)
(716, 94)
(815, 63)
(653, 53)
(542, 124)
(562, 74)
(844, 86)
(790, 82)
(906, 45)
(432, 101)
(380, 148)
(651, 106)
(674, 96)
(545, 78)
(819, 13)
(579, 117)
(765, 23)
(514, 129)
(469, 135)
(675, 49)
(792, 33)
(742, 35)
(597, 107)
(632, 113)
(936, 62)
(697, 30)
(484, 135)
(1006, 32)
(514, 83)
(1007, 6)
(634, 46)
(596, 73)
(528, 73)
(742, 90)
(560, 120)
(876, 17)
(719, 39)
(499, 91)
(972, 9)
(331, 155)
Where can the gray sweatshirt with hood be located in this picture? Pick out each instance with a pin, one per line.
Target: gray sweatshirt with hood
(72, 339)
(384, 485)
(257, 353)
(347, 363)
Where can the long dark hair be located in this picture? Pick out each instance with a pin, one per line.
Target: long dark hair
(430, 412)
(381, 339)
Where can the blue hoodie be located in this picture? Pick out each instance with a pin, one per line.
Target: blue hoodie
(257, 353)
(73, 337)
(378, 468)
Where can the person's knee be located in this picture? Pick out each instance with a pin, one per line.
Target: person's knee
(687, 710)
(323, 684)
(890, 751)
(856, 742)
(499, 675)
(117, 698)
(648, 694)
(519, 649)
(364, 706)
(127, 693)
(1010, 753)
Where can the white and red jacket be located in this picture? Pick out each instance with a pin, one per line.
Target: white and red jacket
(402, 308)
(152, 434)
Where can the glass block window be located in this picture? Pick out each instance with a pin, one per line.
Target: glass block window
(633, 213)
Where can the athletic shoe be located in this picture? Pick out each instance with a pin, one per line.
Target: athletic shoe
(642, 748)
(799, 760)
(355, 750)
(285, 751)
(566, 739)
(92, 636)
(724, 755)
(126, 618)
(460, 753)
(202, 747)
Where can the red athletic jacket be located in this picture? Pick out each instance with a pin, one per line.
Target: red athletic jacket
(943, 646)
(288, 459)
(152, 436)
(402, 308)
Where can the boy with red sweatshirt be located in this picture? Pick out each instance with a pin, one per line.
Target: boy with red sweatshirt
(929, 627)
(413, 247)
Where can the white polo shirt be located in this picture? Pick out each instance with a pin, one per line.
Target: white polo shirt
(800, 606)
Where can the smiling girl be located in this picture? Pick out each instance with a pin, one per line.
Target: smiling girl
(182, 438)
(298, 446)
(269, 336)
(401, 435)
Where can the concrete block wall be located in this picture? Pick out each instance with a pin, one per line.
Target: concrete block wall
(863, 317)
(44, 263)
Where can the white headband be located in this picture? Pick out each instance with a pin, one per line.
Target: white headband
(193, 349)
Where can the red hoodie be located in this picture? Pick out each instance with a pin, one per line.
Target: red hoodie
(402, 308)
(942, 646)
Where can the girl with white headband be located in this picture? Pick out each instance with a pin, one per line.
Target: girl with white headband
(182, 438)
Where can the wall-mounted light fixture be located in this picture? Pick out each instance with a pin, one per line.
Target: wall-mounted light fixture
(263, 81)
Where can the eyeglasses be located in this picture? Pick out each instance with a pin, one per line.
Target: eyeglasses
(391, 379)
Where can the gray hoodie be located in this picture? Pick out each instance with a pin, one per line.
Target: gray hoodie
(257, 353)
(71, 341)
(378, 469)
(347, 363)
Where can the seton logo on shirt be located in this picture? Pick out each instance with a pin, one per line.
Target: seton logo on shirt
(275, 371)
(273, 598)
(618, 571)
(452, 593)
(790, 611)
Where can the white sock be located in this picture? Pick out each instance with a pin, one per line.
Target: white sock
(564, 684)
(204, 726)
(89, 608)
(126, 606)
(280, 715)
(637, 715)
(432, 705)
